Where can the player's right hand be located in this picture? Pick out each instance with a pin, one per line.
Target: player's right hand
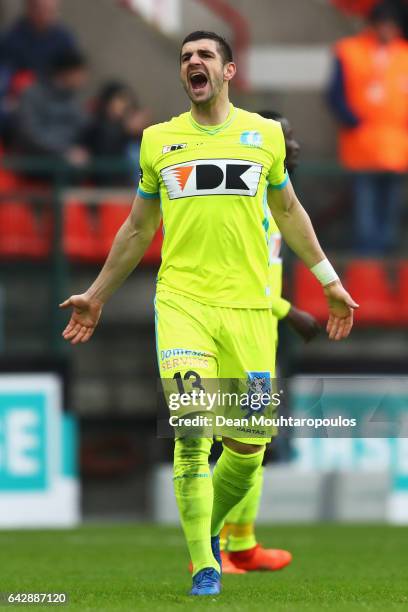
(85, 316)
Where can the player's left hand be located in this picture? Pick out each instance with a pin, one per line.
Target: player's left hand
(341, 310)
(303, 323)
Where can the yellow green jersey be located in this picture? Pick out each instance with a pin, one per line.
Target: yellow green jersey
(212, 182)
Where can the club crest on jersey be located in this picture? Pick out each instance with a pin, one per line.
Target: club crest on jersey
(258, 384)
(251, 139)
(174, 147)
(212, 177)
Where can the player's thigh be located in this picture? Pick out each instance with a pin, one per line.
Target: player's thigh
(248, 344)
(183, 339)
(186, 352)
(187, 362)
(248, 357)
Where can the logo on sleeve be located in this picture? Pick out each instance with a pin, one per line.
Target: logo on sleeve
(212, 177)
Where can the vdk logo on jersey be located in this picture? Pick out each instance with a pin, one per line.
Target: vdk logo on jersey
(212, 177)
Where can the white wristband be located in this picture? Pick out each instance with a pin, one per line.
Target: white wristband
(324, 272)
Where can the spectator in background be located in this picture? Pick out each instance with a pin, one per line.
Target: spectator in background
(364, 7)
(51, 119)
(368, 94)
(403, 6)
(116, 131)
(401, 12)
(28, 48)
(35, 38)
(137, 119)
(106, 135)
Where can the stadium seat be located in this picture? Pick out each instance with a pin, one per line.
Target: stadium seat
(20, 235)
(402, 302)
(8, 181)
(355, 7)
(80, 240)
(308, 294)
(367, 282)
(111, 216)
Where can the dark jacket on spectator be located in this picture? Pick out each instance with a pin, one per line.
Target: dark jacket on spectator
(337, 99)
(25, 48)
(26, 51)
(50, 120)
(106, 138)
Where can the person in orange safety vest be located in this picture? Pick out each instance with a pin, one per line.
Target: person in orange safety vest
(368, 94)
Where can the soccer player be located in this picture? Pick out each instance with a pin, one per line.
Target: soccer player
(240, 551)
(206, 172)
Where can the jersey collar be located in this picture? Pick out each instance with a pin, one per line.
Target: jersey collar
(215, 129)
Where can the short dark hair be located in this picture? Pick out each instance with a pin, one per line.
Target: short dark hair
(223, 46)
(384, 11)
(69, 59)
(271, 114)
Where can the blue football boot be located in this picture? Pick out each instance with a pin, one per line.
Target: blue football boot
(206, 582)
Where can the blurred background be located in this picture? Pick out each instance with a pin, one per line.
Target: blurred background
(79, 81)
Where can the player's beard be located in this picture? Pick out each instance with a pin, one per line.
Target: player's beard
(214, 87)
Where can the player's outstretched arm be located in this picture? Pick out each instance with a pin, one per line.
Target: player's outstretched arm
(297, 230)
(127, 250)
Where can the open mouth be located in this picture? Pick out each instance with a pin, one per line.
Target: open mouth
(198, 80)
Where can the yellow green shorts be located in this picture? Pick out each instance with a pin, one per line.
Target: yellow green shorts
(210, 347)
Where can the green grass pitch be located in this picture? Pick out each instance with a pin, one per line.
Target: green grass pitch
(144, 567)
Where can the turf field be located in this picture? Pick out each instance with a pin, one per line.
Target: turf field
(145, 568)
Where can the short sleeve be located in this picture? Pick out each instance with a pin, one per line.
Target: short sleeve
(148, 183)
(278, 176)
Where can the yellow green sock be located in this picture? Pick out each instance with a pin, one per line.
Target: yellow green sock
(224, 537)
(241, 519)
(234, 475)
(194, 494)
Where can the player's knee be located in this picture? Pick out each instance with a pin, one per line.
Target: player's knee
(192, 450)
(242, 448)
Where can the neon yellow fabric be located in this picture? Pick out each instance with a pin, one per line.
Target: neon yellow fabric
(194, 494)
(212, 181)
(214, 341)
(234, 475)
(280, 308)
(224, 537)
(208, 344)
(241, 537)
(241, 520)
